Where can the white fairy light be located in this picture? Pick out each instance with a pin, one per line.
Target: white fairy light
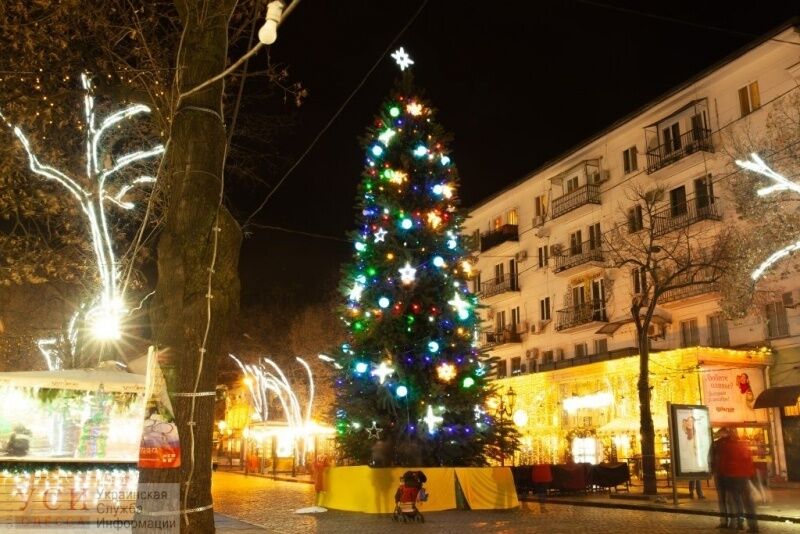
(432, 420)
(380, 235)
(757, 165)
(266, 377)
(355, 292)
(402, 58)
(460, 305)
(407, 273)
(105, 314)
(382, 371)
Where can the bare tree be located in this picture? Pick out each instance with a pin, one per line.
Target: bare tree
(668, 248)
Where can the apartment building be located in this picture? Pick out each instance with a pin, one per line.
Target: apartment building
(557, 316)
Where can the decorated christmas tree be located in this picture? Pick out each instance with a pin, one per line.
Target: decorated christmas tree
(412, 386)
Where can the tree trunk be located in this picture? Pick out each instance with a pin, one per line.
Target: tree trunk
(646, 417)
(186, 249)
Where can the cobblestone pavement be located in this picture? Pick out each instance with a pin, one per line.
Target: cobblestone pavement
(271, 504)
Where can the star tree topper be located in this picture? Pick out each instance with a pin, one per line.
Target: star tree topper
(402, 59)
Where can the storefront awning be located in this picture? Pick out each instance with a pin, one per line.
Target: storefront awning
(778, 396)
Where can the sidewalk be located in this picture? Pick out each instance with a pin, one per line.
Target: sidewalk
(224, 524)
(783, 504)
(305, 479)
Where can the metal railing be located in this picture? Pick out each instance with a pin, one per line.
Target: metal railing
(507, 232)
(582, 253)
(593, 310)
(588, 194)
(686, 213)
(689, 291)
(678, 148)
(494, 286)
(508, 335)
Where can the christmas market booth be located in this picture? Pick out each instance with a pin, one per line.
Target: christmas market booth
(589, 414)
(69, 444)
(274, 447)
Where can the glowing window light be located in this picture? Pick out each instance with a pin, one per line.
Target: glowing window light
(597, 400)
(106, 308)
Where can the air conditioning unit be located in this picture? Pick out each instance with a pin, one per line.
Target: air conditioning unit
(558, 354)
(522, 255)
(538, 220)
(538, 327)
(599, 177)
(532, 354)
(656, 331)
(522, 327)
(542, 232)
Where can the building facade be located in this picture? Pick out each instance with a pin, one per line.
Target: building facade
(557, 316)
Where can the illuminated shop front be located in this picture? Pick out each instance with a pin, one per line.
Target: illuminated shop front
(590, 413)
(276, 447)
(69, 444)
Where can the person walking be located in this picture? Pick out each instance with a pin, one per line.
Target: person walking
(720, 481)
(735, 464)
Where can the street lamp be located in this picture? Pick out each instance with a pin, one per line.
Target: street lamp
(505, 407)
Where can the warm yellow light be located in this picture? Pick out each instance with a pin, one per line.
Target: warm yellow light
(520, 417)
(434, 219)
(414, 108)
(446, 372)
(390, 256)
(492, 402)
(222, 425)
(248, 381)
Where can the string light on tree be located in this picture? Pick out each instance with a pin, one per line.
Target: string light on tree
(757, 165)
(446, 371)
(432, 420)
(374, 431)
(101, 184)
(382, 371)
(380, 235)
(460, 305)
(407, 273)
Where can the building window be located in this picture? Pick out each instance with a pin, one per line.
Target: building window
(690, 335)
(749, 98)
(499, 273)
(595, 238)
(476, 240)
(511, 217)
(498, 222)
(544, 309)
(777, 322)
(580, 350)
(515, 317)
(543, 256)
(477, 283)
(502, 369)
(629, 163)
(718, 331)
(540, 207)
(575, 243)
(600, 346)
(516, 365)
(499, 321)
(638, 280)
(635, 219)
(677, 201)
(572, 184)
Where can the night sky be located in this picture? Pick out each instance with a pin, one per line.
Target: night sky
(516, 82)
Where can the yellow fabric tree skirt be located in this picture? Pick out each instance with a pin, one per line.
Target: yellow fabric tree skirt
(364, 489)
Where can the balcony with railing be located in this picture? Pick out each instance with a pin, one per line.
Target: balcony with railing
(683, 214)
(510, 334)
(679, 147)
(588, 252)
(585, 313)
(507, 232)
(498, 286)
(588, 194)
(688, 292)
